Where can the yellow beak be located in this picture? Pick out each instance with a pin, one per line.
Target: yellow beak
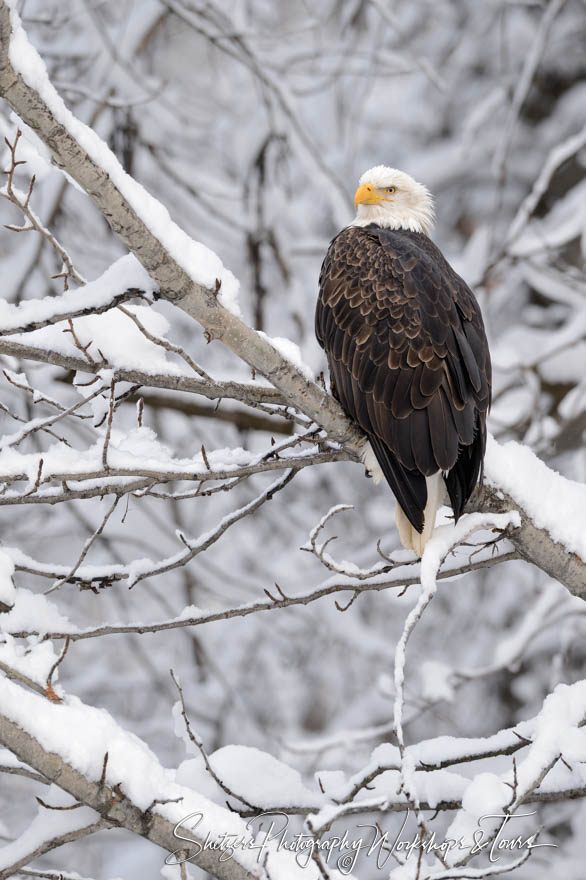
(366, 195)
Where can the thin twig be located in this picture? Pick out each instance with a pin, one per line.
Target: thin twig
(23, 203)
(200, 747)
(86, 548)
(108, 427)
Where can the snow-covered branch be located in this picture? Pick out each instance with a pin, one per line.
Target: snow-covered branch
(121, 780)
(194, 279)
(96, 576)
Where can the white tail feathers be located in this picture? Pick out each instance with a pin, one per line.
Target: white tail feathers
(411, 539)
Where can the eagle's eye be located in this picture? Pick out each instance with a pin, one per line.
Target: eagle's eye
(391, 189)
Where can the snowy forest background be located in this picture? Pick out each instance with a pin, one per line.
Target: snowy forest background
(252, 121)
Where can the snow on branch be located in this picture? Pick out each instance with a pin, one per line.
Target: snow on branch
(194, 278)
(25, 612)
(57, 823)
(552, 510)
(123, 280)
(104, 767)
(252, 394)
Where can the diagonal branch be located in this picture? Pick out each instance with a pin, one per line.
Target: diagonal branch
(114, 806)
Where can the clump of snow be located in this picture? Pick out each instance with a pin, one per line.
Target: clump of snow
(35, 613)
(436, 786)
(291, 352)
(113, 335)
(125, 274)
(487, 793)
(436, 681)
(553, 502)
(193, 773)
(261, 778)
(573, 745)
(31, 659)
(180, 729)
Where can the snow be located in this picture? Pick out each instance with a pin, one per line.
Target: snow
(125, 274)
(436, 680)
(557, 156)
(511, 647)
(7, 590)
(115, 337)
(32, 659)
(180, 728)
(553, 502)
(262, 779)
(573, 745)
(137, 450)
(32, 611)
(200, 263)
(574, 402)
(487, 793)
(563, 223)
(81, 735)
(291, 352)
(553, 729)
(48, 824)
(32, 150)
(306, 674)
(442, 540)
(332, 782)
(410, 870)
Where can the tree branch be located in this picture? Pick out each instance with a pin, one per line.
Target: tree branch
(78, 150)
(53, 842)
(251, 394)
(114, 807)
(398, 579)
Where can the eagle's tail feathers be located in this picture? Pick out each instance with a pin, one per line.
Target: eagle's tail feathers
(408, 487)
(410, 538)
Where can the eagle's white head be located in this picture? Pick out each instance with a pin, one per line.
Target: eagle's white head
(391, 198)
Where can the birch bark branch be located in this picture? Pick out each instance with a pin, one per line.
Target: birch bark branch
(202, 304)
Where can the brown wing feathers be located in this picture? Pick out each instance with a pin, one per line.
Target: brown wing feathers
(408, 358)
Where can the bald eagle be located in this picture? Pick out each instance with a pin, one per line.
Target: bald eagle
(407, 351)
